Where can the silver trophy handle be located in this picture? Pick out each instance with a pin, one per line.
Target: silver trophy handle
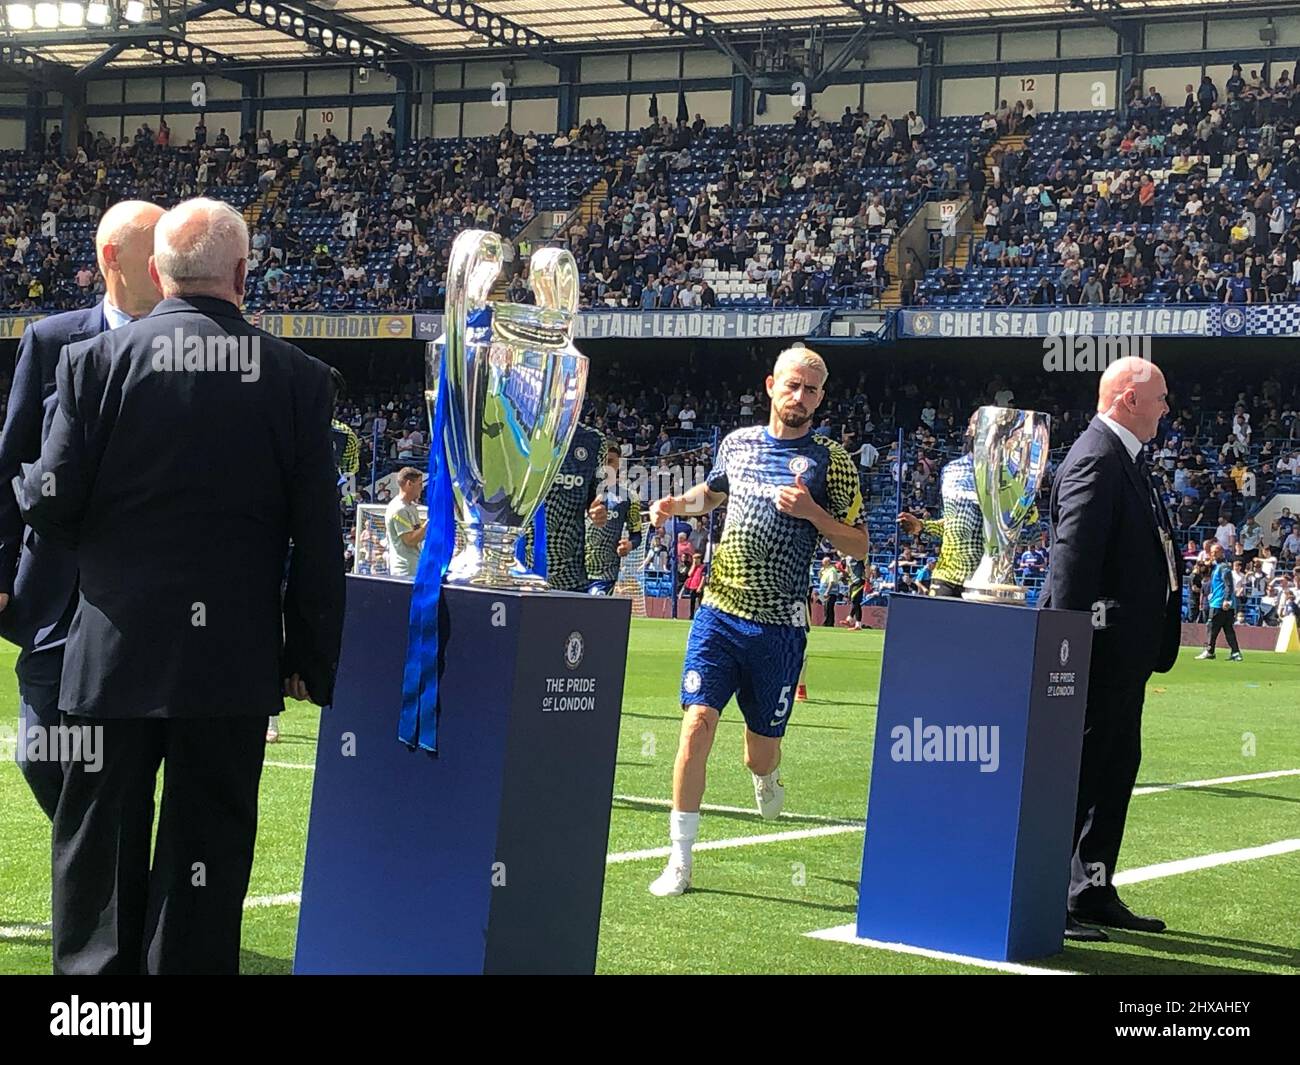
(477, 256)
(553, 274)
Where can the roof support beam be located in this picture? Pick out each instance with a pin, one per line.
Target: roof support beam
(843, 58)
(360, 30)
(496, 28)
(178, 51)
(1099, 10)
(890, 17)
(689, 22)
(31, 67)
(317, 32)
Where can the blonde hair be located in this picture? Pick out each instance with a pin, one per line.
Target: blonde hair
(803, 357)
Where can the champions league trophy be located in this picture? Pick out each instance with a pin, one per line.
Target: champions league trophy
(1010, 458)
(515, 385)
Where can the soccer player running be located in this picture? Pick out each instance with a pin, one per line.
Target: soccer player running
(609, 543)
(786, 489)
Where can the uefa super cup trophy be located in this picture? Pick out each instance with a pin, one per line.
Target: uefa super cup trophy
(1010, 458)
(515, 385)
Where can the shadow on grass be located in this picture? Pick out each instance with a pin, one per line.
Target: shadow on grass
(823, 907)
(253, 964)
(1172, 953)
(1225, 793)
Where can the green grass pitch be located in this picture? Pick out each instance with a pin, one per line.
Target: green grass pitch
(751, 905)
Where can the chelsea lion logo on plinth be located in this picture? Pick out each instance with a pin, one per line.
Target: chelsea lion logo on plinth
(573, 650)
(1065, 651)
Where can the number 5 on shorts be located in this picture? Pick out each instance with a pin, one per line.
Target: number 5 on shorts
(785, 706)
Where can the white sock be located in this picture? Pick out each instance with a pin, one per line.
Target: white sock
(682, 830)
(766, 778)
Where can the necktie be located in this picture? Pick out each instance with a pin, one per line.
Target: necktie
(1162, 523)
(1144, 472)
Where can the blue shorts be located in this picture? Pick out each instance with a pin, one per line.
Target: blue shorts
(601, 588)
(758, 664)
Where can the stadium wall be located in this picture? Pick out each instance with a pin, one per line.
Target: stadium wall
(1063, 67)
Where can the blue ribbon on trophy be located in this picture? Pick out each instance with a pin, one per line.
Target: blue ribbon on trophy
(504, 388)
(418, 724)
(538, 567)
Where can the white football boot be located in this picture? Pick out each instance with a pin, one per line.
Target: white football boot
(674, 880)
(769, 794)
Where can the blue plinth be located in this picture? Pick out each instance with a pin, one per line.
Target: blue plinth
(489, 857)
(969, 829)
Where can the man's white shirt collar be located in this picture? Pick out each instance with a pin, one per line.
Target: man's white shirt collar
(114, 316)
(1131, 443)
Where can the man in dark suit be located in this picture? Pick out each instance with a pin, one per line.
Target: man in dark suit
(39, 576)
(1113, 555)
(187, 450)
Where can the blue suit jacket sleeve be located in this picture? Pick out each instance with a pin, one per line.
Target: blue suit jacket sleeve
(20, 441)
(53, 495)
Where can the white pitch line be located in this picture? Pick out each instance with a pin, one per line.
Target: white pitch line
(258, 902)
(643, 800)
(1156, 789)
(846, 933)
(1205, 861)
(842, 933)
(836, 826)
(738, 841)
(23, 931)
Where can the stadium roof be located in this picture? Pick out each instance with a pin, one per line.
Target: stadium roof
(376, 32)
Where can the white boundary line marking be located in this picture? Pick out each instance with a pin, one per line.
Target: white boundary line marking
(845, 933)
(1205, 861)
(23, 931)
(258, 902)
(841, 933)
(837, 826)
(643, 800)
(1156, 789)
(738, 841)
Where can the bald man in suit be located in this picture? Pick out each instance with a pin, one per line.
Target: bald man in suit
(1113, 555)
(38, 577)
